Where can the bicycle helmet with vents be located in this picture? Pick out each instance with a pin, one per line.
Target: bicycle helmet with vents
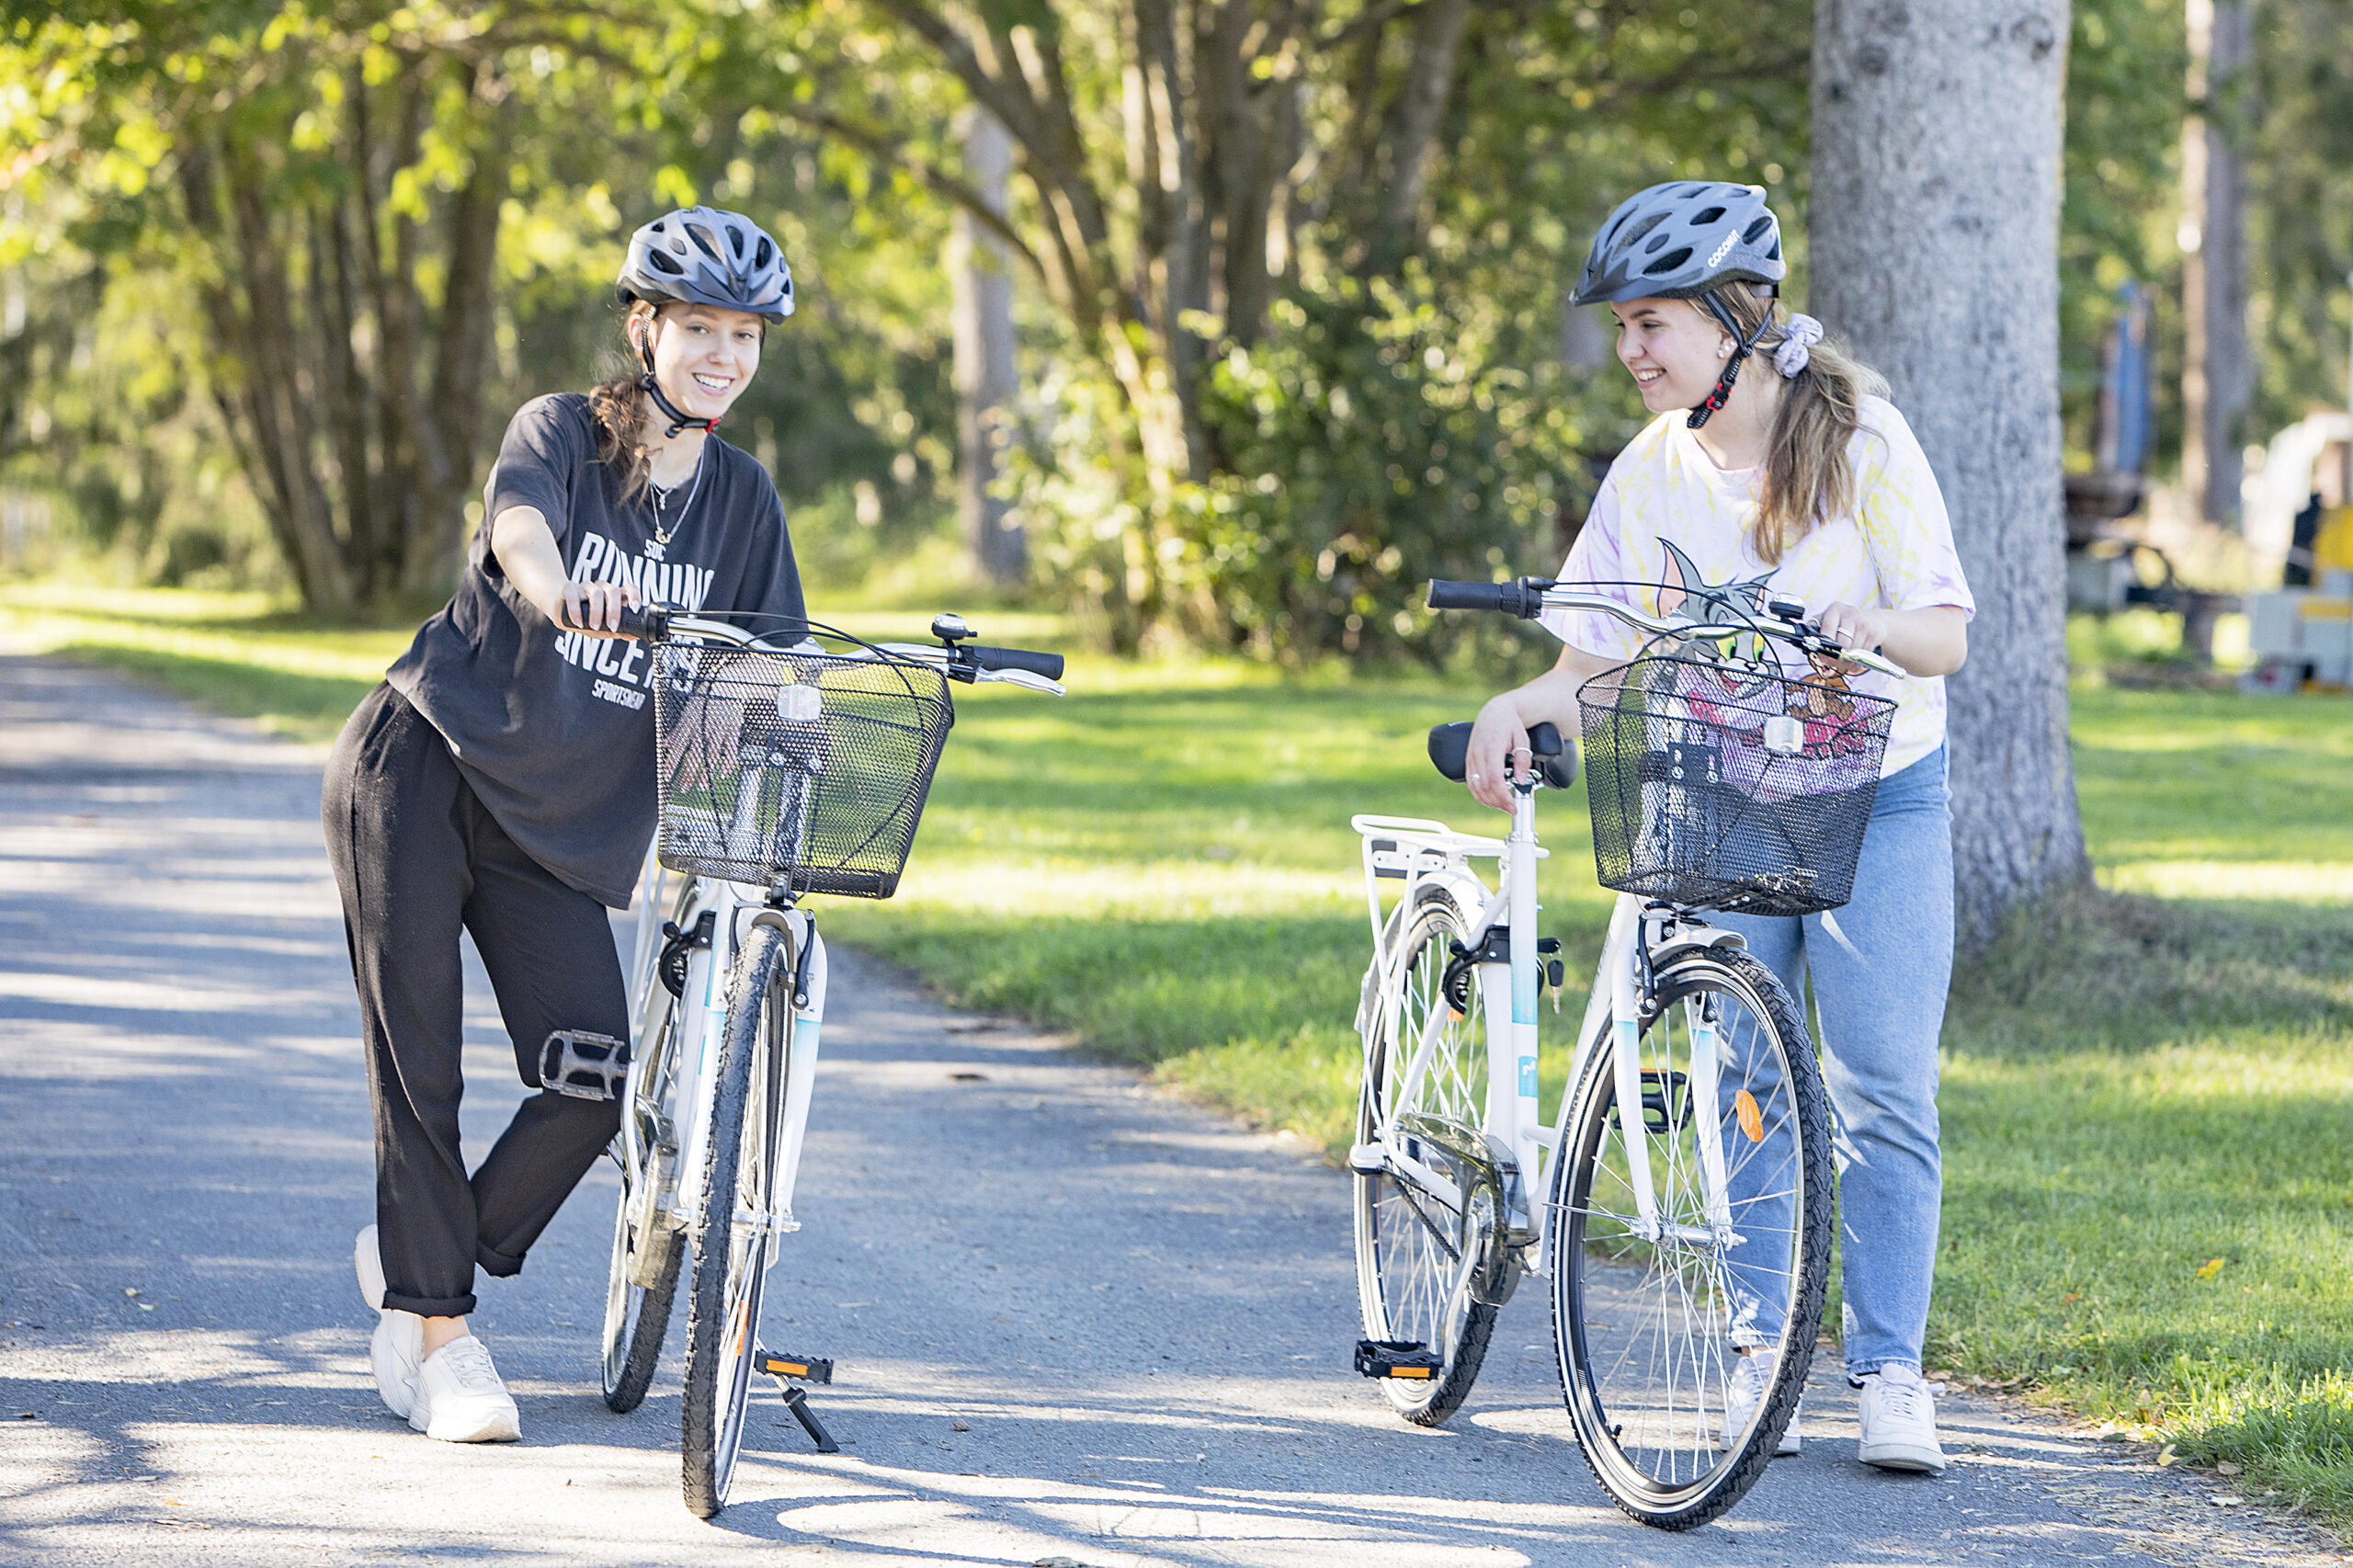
(706, 256)
(1681, 239)
(1685, 240)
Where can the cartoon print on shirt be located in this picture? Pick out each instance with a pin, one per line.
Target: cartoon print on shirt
(1825, 705)
(1821, 700)
(620, 662)
(1725, 604)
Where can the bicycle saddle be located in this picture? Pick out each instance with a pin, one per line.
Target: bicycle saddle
(1556, 759)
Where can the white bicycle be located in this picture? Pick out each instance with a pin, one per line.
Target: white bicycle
(1686, 1211)
(782, 772)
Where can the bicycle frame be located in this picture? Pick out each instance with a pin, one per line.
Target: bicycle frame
(1416, 851)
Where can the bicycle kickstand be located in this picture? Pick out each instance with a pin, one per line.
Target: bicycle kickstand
(816, 1370)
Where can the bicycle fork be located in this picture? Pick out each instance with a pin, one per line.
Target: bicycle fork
(1618, 999)
(703, 1021)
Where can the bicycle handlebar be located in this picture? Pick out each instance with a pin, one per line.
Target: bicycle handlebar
(966, 661)
(1531, 596)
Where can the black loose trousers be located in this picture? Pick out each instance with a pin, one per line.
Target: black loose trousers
(417, 857)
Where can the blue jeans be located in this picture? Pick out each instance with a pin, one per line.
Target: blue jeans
(1882, 965)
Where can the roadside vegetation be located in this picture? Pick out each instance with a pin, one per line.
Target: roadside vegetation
(2147, 1089)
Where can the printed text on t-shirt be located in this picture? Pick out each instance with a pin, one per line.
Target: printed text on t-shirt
(677, 584)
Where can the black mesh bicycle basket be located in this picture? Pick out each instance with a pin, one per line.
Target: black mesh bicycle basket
(807, 770)
(1720, 784)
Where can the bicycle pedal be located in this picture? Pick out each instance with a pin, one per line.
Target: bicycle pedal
(1396, 1358)
(808, 1369)
(585, 1065)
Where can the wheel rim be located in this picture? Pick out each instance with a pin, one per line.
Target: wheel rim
(621, 1297)
(1657, 1322)
(746, 1277)
(1418, 1255)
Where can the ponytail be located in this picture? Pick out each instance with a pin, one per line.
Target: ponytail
(1809, 475)
(619, 408)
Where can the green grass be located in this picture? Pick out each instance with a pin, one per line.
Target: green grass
(2137, 1082)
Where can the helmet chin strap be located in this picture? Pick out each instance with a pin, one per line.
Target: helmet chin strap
(653, 388)
(677, 421)
(1742, 347)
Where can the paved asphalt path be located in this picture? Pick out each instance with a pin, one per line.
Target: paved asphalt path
(1079, 1322)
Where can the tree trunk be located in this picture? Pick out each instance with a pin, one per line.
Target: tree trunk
(2218, 366)
(461, 352)
(1935, 220)
(979, 267)
(1414, 118)
(252, 367)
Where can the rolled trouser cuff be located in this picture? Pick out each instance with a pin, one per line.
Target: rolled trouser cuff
(497, 1265)
(431, 1306)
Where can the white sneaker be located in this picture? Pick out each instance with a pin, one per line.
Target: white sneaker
(397, 1351)
(459, 1398)
(1751, 1375)
(1900, 1422)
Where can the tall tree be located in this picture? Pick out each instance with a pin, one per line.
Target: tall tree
(979, 269)
(330, 181)
(1934, 237)
(2218, 371)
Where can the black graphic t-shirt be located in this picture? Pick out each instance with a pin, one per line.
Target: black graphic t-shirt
(556, 731)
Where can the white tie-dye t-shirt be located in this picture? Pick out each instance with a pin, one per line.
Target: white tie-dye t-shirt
(1894, 551)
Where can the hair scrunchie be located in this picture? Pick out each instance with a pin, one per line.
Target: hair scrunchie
(1796, 347)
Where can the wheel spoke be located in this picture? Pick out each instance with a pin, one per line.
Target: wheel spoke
(1417, 1252)
(1650, 1319)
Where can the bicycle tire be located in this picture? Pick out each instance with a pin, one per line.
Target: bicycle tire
(637, 1317)
(1634, 1319)
(728, 1276)
(1407, 1290)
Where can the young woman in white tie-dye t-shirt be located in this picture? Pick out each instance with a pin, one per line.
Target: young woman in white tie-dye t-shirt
(1802, 480)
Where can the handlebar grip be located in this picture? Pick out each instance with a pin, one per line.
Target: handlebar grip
(1523, 598)
(1047, 664)
(648, 622)
(1445, 594)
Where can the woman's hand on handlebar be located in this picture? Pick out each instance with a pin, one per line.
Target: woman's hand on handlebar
(1852, 626)
(593, 609)
(1930, 641)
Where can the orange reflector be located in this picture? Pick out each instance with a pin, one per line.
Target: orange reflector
(1752, 1121)
(1413, 1372)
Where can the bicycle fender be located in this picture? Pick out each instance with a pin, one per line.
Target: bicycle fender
(1470, 896)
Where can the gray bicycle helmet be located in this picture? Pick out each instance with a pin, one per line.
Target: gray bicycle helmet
(1681, 239)
(706, 256)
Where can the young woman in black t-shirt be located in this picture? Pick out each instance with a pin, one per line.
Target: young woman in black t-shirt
(501, 781)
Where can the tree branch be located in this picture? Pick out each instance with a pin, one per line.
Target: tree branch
(884, 151)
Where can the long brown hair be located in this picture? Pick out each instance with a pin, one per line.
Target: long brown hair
(1808, 473)
(619, 408)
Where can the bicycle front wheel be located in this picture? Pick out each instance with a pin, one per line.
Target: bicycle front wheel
(1652, 1312)
(734, 1221)
(1425, 1223)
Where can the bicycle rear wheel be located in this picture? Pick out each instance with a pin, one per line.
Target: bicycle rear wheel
(647, 1251)
(1650, 1318)
(731, 1227)
(1423, 1234)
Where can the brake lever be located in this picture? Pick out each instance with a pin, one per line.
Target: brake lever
(1026, 680)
